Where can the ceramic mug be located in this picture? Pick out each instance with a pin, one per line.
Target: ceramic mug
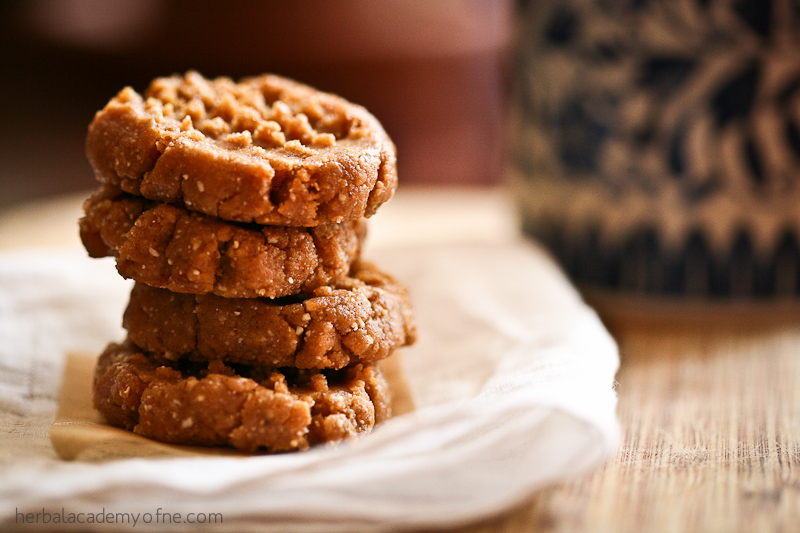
(655, 144)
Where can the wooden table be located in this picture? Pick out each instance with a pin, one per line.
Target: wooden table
(709, 398)
(709, 405)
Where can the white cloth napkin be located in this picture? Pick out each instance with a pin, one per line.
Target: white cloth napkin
(512, 379)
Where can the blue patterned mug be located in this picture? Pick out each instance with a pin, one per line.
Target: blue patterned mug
(655, 144)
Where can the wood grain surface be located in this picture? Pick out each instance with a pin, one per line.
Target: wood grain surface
(710, 417)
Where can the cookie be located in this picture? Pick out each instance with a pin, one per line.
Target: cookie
(250, 409)
(266, 150)
(361, 319)
(172, 248)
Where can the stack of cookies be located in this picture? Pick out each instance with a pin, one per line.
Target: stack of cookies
(239, 210)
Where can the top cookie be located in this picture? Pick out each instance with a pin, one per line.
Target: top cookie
(266, 150)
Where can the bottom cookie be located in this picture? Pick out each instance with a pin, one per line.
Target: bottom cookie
(249, 408)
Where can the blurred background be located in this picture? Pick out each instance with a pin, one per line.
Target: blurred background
(654, 146)
(435, 72)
